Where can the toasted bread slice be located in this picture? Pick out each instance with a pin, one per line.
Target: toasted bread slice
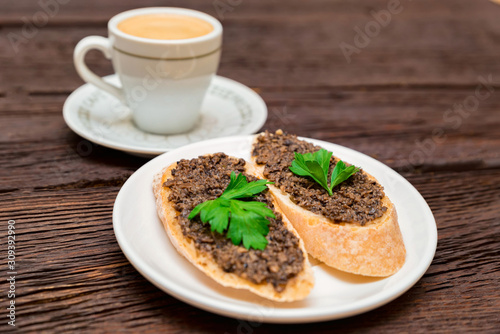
(373, 249)
(297, 287)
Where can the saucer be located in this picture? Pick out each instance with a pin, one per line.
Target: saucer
(230, 108)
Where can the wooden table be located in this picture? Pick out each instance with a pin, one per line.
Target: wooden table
(394, 97)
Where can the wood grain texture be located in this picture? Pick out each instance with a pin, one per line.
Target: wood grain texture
(285, 43)
(389, 102)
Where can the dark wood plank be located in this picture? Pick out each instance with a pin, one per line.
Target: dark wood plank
(444, 49)
(396, 126)
(71, 269)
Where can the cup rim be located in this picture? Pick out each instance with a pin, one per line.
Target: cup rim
(113, 23)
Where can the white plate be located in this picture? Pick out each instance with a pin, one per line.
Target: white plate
(140, 234)
(230, 108)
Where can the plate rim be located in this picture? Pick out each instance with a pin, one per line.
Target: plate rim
(133, 149)
(289, 315)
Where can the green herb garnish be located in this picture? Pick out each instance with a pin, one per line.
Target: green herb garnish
(316, 165)
(247, 220)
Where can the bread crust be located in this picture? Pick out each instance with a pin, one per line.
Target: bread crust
(297, 288)
(375, 249)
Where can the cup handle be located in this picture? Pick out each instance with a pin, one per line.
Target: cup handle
(102, 44)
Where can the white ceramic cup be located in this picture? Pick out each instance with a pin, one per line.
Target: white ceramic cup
(163, 82)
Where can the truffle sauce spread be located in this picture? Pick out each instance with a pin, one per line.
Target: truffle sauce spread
(356, 200)
(205, 178)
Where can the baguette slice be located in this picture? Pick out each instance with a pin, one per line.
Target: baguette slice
(375, 249)
(297, 288)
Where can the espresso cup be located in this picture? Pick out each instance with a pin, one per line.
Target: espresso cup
(165, 67)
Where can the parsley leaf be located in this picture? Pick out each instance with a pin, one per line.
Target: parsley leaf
(245, 221)
(247, 226)
(238, 187)
(316, 166)
(312, 165)
(341, 173)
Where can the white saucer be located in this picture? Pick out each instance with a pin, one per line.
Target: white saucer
(336, 294)
(229, 109)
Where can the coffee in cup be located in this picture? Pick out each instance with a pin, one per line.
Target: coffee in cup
(165, 26)
(165, 59)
